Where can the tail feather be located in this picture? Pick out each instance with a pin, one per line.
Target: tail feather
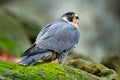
(31, 60)
(33, 50)
(28, 50)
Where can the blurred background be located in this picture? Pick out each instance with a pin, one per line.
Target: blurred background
(21, 21)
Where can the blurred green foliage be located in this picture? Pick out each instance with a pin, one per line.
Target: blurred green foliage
(6, 43)
(13, 38)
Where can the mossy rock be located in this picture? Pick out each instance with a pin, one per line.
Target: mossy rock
(93, 67)
(44, 71)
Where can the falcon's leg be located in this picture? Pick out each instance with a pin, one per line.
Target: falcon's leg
(62, 57)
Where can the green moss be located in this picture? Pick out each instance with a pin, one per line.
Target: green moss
(43, 71)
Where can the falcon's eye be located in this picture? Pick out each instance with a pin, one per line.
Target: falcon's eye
(76, 17)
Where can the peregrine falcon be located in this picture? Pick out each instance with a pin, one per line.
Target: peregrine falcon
(55, 40)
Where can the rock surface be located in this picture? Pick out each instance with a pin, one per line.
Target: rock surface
(45, 71)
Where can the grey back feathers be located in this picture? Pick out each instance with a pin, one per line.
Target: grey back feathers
(57, 37)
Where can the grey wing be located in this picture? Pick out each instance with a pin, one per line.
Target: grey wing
(58, 37)
(43, 31)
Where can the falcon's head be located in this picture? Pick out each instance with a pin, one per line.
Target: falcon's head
(72, 18)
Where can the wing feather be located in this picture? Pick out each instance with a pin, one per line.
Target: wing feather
(59, 36)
